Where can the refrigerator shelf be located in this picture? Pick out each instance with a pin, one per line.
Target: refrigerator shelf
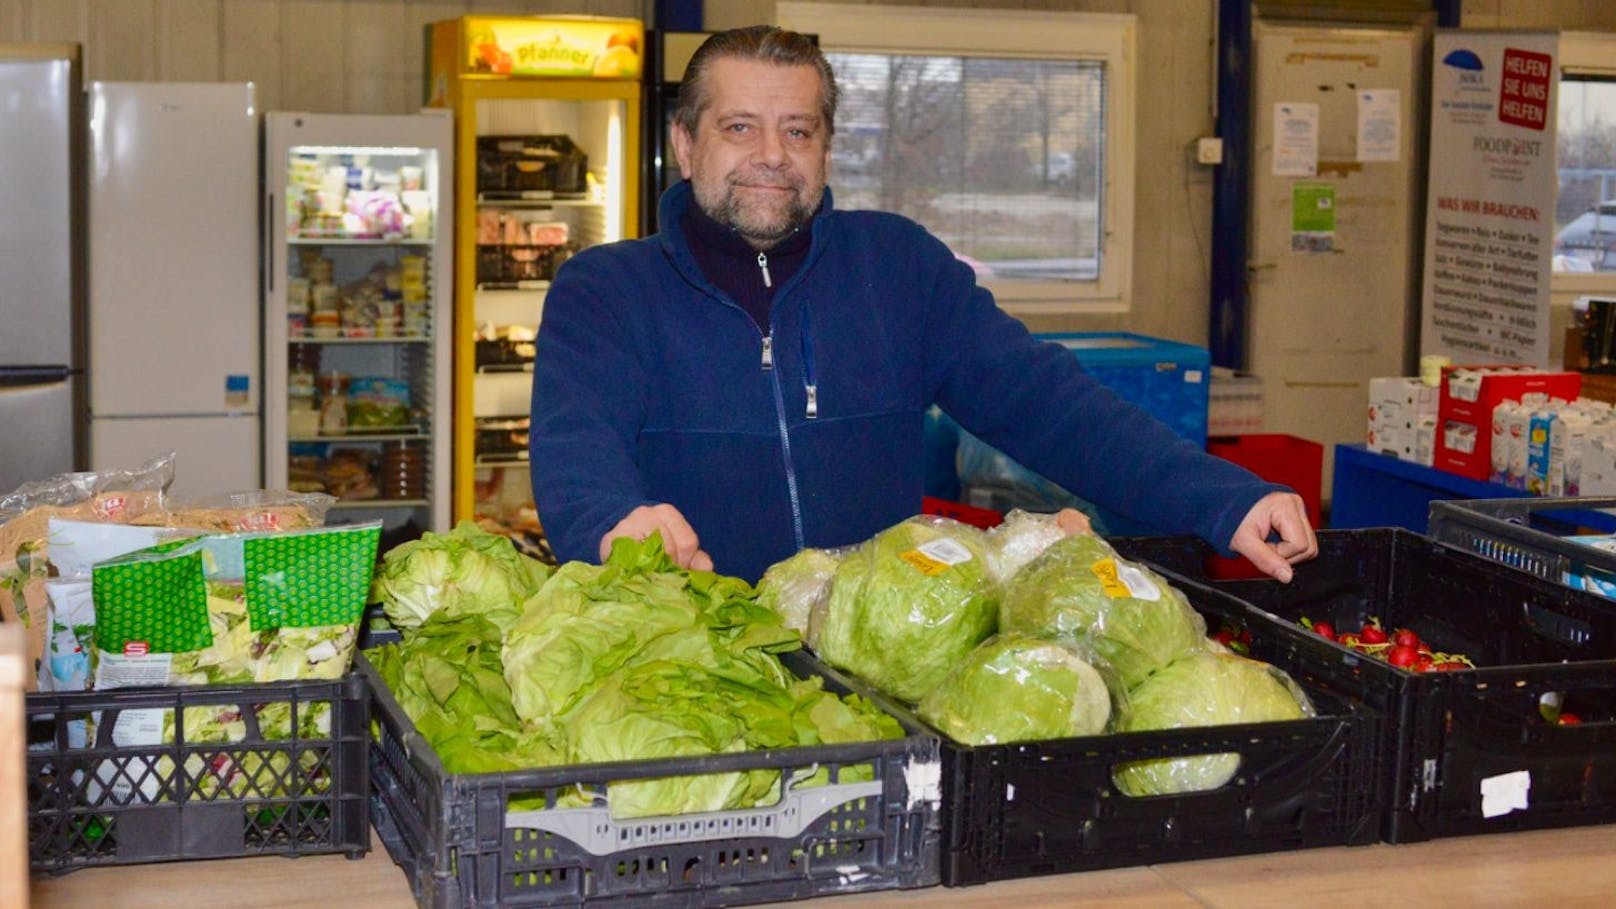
(358, 435)
(514, 459)
(505, 367)
(534, 201)
(379, 503)
(513, 285)
(359, 241)
(390, 339)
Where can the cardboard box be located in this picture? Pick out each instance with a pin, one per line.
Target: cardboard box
(1400, 408)
(1468, 399)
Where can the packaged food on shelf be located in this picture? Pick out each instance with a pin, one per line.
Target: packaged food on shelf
(350, 474)
(531, 166)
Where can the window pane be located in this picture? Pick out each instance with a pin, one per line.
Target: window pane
(1000, 158)
(1585, 212)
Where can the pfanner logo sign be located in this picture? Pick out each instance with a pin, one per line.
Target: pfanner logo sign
(1471, 71)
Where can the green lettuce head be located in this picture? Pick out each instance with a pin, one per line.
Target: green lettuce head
(1015, 688)
(793, 586)
(1207, 688)
(467, 571)
(1129, 617)
(906, 606)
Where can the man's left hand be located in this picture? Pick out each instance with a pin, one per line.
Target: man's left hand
(1281, 514)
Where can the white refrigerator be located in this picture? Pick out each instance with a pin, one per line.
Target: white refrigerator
(173, 288)
(358, 320)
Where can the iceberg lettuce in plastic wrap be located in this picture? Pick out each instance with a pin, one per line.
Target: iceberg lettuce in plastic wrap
(793, 586)
(1128, 616)
(1015, 688)
(906, 606)
(1021, 537)
(1207, 688)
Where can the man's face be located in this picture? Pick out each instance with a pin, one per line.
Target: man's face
(758, 158)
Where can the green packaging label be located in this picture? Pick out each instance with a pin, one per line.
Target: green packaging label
(309, 580)
(154, 601)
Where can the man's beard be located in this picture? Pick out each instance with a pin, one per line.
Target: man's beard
(761, 226)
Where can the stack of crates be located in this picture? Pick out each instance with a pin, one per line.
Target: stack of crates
(1469, 751)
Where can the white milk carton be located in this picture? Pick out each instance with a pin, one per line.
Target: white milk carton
(1568, 437)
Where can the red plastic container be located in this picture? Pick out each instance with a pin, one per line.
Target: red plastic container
(1277, 458)
(959, 511)
(1478, 414)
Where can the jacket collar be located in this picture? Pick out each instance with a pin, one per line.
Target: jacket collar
(678, 199)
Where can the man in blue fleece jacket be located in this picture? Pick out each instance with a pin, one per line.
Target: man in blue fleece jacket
(753, 379)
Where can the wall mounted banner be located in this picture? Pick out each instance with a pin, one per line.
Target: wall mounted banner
(1489, 219)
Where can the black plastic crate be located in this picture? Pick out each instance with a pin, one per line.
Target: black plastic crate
(461, 843)
(531, 166)
(1527, 533)
(1051, 807)
(94, 802)
(1451, 736)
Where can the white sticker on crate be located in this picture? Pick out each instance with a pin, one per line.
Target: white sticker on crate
(1505, 793)
(924, 780)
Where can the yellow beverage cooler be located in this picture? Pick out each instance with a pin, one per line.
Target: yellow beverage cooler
(547, 133)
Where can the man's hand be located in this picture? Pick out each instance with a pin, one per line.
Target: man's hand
(1073, 522)
(1283, 514)
(678, 538)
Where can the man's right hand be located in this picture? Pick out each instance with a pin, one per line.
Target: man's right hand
(678, 537)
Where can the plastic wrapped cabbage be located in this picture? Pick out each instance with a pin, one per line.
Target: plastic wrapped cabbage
(1207, 688)
(1015, 688)
(907, 605)
(1020, 538)
(1128, 616)
(792, 586)
(464, 572)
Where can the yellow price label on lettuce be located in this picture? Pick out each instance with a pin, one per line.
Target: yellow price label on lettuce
(925, 564)
(1110, 582)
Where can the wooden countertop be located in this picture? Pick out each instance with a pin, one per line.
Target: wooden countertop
(1557, 868)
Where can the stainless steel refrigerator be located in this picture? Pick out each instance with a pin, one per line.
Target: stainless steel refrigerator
(42, 416)
(173, 261)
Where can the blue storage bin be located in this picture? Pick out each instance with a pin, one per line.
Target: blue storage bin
(1170, 379)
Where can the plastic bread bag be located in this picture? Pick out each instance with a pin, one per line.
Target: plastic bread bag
(907, 605)
(1016, 688)
(1211, 687)
(75, 547)
(793, 586)
(110, 496)
(250, 510)
(1080, 590)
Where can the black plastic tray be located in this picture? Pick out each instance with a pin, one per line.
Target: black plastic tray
(1526, 533)
(1050, 807)
(1450, 735)
(95, 802)
(461, 846)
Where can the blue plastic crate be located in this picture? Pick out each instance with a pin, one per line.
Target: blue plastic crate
(1170, 379)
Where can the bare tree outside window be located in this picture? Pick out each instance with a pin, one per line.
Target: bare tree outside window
(1000, 158)
(1585, 209)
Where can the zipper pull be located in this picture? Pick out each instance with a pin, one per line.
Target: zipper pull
(763, 264)
(768, 351)
(813, 401)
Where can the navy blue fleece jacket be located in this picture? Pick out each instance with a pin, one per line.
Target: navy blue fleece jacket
(652, 386)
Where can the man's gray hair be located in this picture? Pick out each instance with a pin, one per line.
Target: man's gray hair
(762, 43)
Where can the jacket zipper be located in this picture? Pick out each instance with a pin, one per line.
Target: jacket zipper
(763, 266)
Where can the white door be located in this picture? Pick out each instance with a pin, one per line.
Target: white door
(212, 455)
(174, 307)
(1333, 304)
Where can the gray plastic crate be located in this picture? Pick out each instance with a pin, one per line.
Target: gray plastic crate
(96, 802)
(462, 843)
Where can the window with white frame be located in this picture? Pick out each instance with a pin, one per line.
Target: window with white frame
(1585, 207)
(1007, 133)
